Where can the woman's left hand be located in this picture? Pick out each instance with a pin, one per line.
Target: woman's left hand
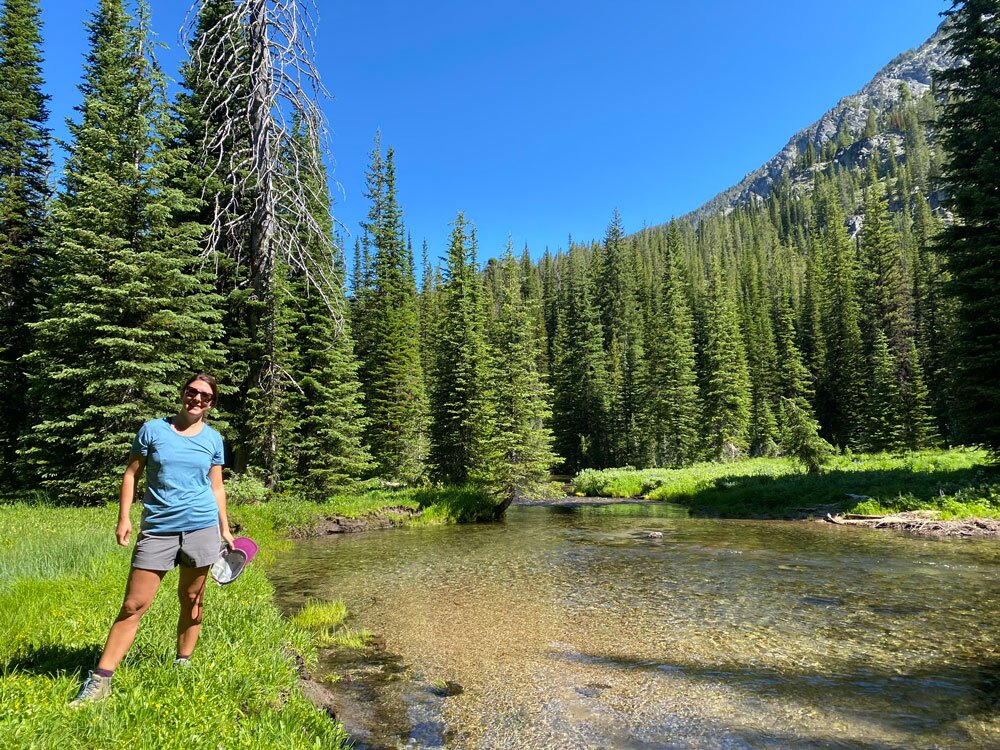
(228, 538)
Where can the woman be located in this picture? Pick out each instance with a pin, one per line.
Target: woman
(183, 518)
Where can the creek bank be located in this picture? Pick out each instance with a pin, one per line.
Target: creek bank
(923, 522)
(389, 517)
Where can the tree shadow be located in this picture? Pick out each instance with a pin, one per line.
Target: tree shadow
(927, 698)
(53, 661)
(799, 495)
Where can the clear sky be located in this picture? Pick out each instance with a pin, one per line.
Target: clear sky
(537, 119)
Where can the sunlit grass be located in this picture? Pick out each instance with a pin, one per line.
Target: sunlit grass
(62, 581)
(958, 483)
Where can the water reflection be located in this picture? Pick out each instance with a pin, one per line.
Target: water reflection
(635, 627)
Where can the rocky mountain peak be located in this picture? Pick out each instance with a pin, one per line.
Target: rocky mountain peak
(913, 69)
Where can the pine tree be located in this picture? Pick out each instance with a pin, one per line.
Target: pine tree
(971, 123)
(622, 343)
(328, 405)
(673, 407)
(799, 428)
(24, 195)
(459, 352)
(884, 413)
(886, 301)
(202, 149)
(918, 431)
(391, 374)
(761, 360)
(726, 395)
(842, 381)
(515, 455)
(127, 317)
(579, 375)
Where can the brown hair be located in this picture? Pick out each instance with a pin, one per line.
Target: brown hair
(204, 377)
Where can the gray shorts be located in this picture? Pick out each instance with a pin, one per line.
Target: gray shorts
(165, 550)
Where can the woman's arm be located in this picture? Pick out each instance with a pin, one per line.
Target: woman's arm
(219, 490)
(130, 482)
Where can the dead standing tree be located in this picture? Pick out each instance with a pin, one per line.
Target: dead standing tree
(256, 63)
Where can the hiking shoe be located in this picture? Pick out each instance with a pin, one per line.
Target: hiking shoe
(96, 688)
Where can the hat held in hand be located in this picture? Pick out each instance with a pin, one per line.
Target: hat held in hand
(232, 562)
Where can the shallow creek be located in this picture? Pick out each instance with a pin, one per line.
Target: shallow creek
(635, 627)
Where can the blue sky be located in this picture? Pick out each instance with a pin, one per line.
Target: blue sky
(538, 119)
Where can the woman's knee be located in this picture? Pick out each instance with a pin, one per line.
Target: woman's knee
(134, 607)
(191, 601)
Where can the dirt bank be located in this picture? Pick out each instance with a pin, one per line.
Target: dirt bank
(385, 518)
(924, 522)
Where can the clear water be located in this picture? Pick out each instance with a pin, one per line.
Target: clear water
(577, 628)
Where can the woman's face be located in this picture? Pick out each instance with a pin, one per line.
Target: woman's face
(197, 398)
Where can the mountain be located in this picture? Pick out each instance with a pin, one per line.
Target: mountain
(913, 69)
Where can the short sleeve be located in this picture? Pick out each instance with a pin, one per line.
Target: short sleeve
(219, 456)
(140, 445)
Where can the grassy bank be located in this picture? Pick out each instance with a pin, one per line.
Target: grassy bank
(61, 582)
(958, 483)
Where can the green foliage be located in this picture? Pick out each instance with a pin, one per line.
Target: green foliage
(940, 480)
(618, 298)
(24, 194)
(389, 349)
(458, 357)
(55, 610)
(971, 129)
(326, 446)
(727, 382)
(579, 373)
(672, 409)
(126, 313)
(801, 437)
(247, 488)
(514, 454)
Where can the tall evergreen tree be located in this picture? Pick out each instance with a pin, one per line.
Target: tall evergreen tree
(579, 374)
(842, 380)
(24, 195)
(971, 122)
(202, 149)
(884, 414)
(727, 382)
(459, 351)
(126, 318)
(515, 455)
(673, 407)
(391, 373)
(328, 402)
(622, 342)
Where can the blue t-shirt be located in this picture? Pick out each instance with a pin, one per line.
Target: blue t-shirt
(179, 493)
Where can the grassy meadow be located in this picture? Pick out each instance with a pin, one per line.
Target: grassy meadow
(958, 483)
(61, 581)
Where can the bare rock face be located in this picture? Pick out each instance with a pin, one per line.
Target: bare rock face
(913, 70)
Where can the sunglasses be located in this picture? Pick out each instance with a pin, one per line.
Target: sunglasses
(203, 395)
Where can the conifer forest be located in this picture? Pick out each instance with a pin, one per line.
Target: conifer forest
(853, 308)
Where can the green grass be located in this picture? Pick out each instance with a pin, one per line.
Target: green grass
(958, 483)
(61, 580)
(327, 622)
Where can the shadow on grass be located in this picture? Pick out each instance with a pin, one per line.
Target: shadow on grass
(799, 495)
(53, 661)
(460, 504)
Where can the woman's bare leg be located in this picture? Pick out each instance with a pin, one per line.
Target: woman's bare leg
(191, 592)
(139, 592)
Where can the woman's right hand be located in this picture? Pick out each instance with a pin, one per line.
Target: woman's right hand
(123, 532)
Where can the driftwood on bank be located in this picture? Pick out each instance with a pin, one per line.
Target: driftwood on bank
(925, 522)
